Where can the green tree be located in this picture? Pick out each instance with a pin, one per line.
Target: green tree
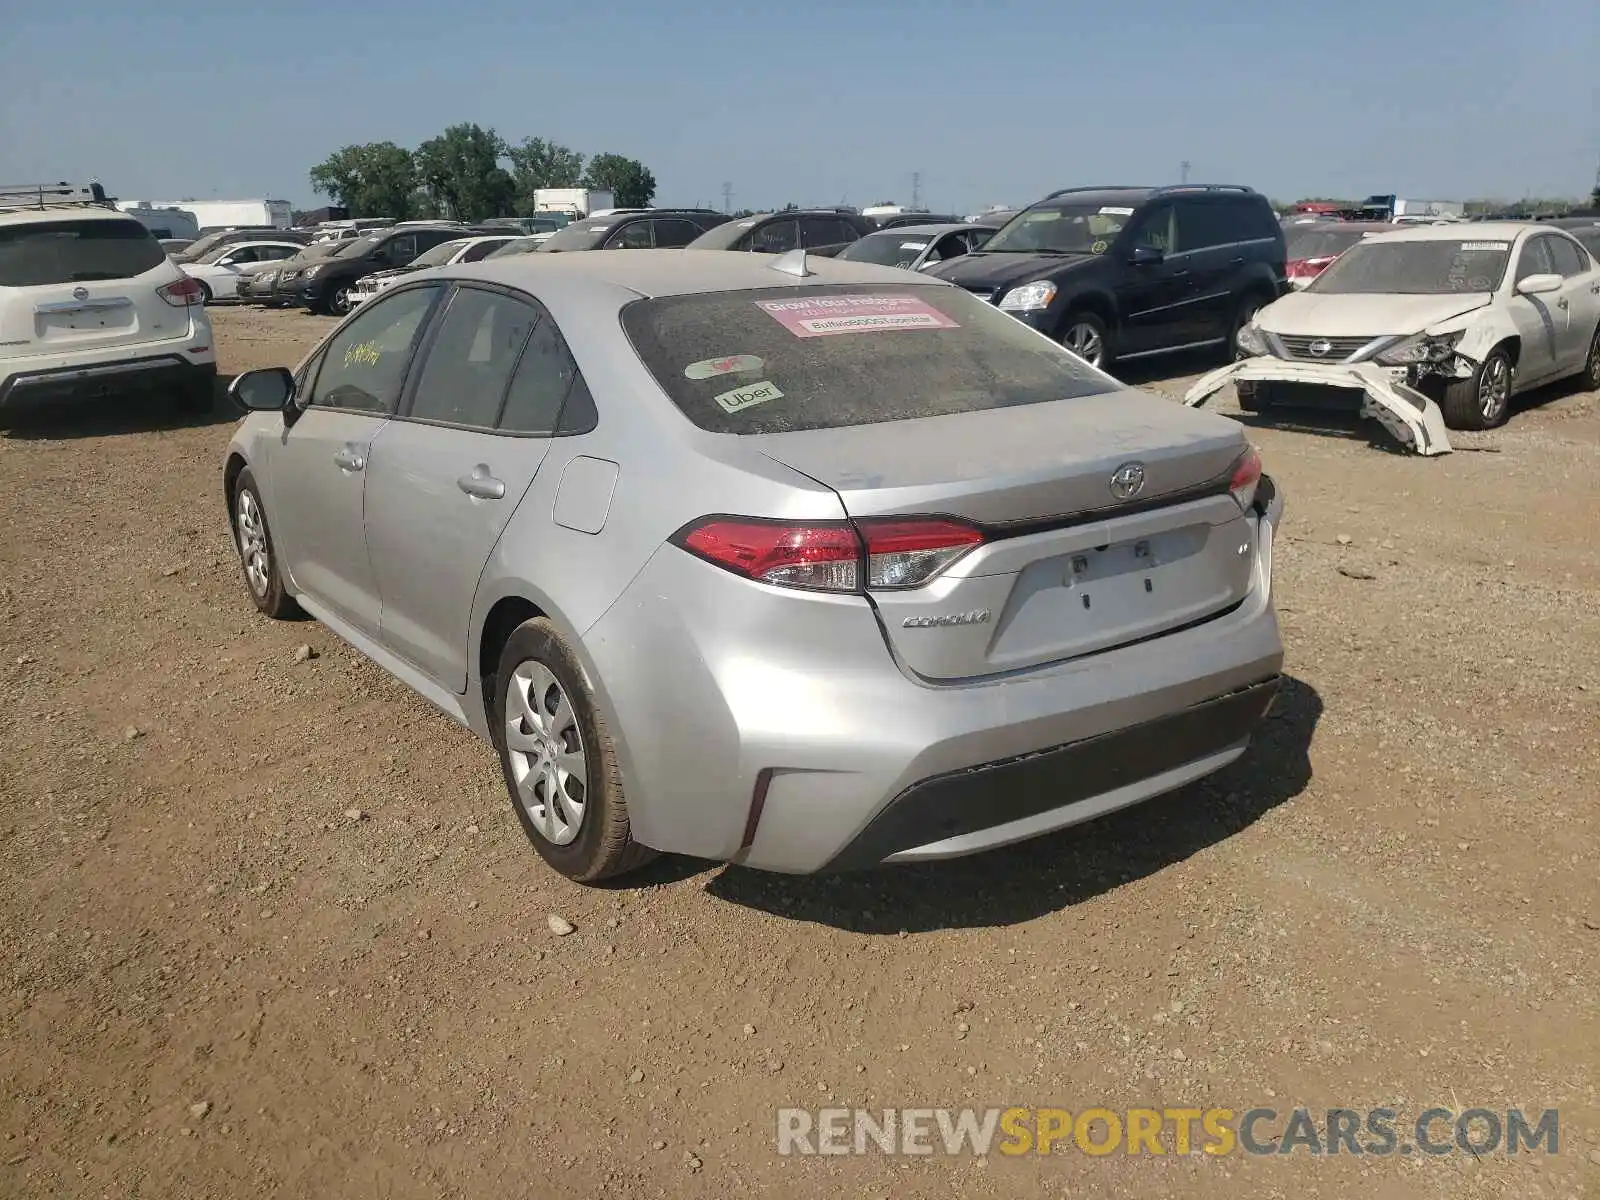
(375, 179)
(627, 179)
(536, 164)
(461, 172)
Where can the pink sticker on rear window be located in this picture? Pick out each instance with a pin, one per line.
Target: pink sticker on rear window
(824, 316)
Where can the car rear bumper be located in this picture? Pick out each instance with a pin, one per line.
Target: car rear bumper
(154, 370)
(782, 735)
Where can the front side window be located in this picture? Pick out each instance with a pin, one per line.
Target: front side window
(470, 360)
(1534, 260)
(45, 252)
(829, 356)
(633, 236)
(365, 363)
(1158, 230)
(776, 237)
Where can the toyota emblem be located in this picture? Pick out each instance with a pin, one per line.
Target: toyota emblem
(80, 293)
(1127, 481)
(1320, 347)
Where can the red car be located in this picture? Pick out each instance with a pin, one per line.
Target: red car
(1313, 247)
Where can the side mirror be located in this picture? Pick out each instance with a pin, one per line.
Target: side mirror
(1538, 285)
(1145, 256)
(267, 390)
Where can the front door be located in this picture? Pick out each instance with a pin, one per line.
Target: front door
(318, 471)
(1537, 318)
(1153, 297)
(449, 472)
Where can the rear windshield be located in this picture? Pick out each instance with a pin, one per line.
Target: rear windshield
(76, 251)
(784, 359)
(894, 249)
(1322, 243)
(1417, 268)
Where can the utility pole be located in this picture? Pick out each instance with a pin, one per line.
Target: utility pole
(916, 190)
(1183, 171)
(727, 197)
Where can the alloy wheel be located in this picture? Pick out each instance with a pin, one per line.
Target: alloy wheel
(253, 548)
(1084, 340)
(1494, 388)
(545, 748)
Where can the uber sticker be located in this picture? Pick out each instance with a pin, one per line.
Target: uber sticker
(744, 397)
(733, 364)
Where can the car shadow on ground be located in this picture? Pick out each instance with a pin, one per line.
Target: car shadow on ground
(113, 416)
(1035, 878)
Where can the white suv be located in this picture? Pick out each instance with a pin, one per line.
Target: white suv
(91, 304)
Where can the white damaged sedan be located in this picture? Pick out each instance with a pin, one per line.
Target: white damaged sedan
(1426, 329)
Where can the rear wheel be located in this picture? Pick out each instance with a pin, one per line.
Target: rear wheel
(1591, 368)
(1484, 400)
(1085, 335)
(559, 763)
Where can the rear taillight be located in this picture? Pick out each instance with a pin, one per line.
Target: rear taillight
(894, 553)
(183, 293)
(1309, 268)
(823, 557)
(906, 553)
(1246, 475)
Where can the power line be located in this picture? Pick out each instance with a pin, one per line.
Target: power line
(1183, 171)
(916, 190)
(727, 197)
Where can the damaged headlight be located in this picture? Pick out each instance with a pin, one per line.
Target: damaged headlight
(1252, 341)
(1421, 349)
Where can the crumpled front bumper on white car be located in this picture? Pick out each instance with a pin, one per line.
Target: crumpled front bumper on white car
(1413, 419)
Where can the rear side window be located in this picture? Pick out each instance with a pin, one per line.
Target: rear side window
(470, 359)
(547, 380)
(48, 252)
(784, 359)
(671, 232)
(775, 237)
(1206, 223)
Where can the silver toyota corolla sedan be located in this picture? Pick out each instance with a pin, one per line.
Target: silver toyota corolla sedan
(801, 564)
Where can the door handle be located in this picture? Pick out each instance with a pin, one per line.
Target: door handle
(481, 485)
(1236, 262)
(348, 459)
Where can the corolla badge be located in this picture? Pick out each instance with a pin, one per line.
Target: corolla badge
(80, 293)
(977, 616)
(1127, 481)
(1320, 347)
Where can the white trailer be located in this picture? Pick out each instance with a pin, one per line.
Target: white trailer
(575, 202)
(166, 222)
(225, 214)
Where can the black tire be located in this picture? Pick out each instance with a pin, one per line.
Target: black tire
(603, 844)
(197, 396)
(1087, 330)
(1242, 316)
(338, 303)
(270, 598)
(1465, 403)
(1590, 379)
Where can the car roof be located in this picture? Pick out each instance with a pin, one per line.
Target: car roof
(60, 212)
(1476, 231)
(653, 273)
(942, 227)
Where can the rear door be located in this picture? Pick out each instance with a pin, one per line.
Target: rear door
(1578, 304)
(1209, 240)
(447, 475)
(84, 283)
(316, 475)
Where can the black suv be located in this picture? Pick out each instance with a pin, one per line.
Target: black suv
(324, 285)
(775, 233)
(1119, 272)
(655, 228)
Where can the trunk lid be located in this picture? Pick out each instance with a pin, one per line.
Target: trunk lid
(1068, 567)
(84, 283)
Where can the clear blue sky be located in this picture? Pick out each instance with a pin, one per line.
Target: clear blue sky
(819, 102)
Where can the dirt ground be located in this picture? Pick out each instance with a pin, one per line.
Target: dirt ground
(270, 927)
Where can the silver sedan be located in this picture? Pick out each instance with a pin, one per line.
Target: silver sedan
(801, 564)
